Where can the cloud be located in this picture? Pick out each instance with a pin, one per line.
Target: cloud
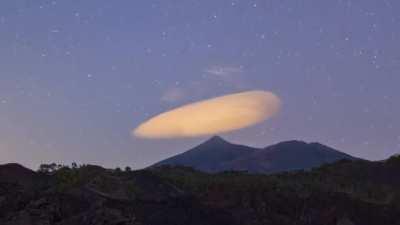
(173, 95)
(224, 71)
(213, 116)
(213, 78)
(229, 75)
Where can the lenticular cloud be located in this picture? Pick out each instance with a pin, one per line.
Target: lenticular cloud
(213, 116)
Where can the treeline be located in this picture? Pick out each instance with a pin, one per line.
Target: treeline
(53, 168)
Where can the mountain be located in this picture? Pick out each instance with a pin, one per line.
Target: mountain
(209, 156)
(342, 193)
(217, 155)
(288, 156)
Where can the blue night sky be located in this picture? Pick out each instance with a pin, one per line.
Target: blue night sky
(77, 76)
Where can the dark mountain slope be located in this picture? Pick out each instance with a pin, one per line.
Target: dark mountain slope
(218, 155)
(288, 156)
(15, 173)
(209, 156)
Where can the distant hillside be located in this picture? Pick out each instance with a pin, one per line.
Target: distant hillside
(343, 193)
(15, 173)
(217, 155)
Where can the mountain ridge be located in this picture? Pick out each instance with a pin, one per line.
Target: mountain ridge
(217, 155)
(207, 155)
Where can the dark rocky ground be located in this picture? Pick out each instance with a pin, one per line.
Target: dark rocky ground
(343, 193)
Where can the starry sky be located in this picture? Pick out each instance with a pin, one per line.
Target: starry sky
(77, 76)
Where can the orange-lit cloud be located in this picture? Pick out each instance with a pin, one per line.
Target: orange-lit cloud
(213, 116)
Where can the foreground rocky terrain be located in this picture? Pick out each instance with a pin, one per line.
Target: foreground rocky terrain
(343, 193)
